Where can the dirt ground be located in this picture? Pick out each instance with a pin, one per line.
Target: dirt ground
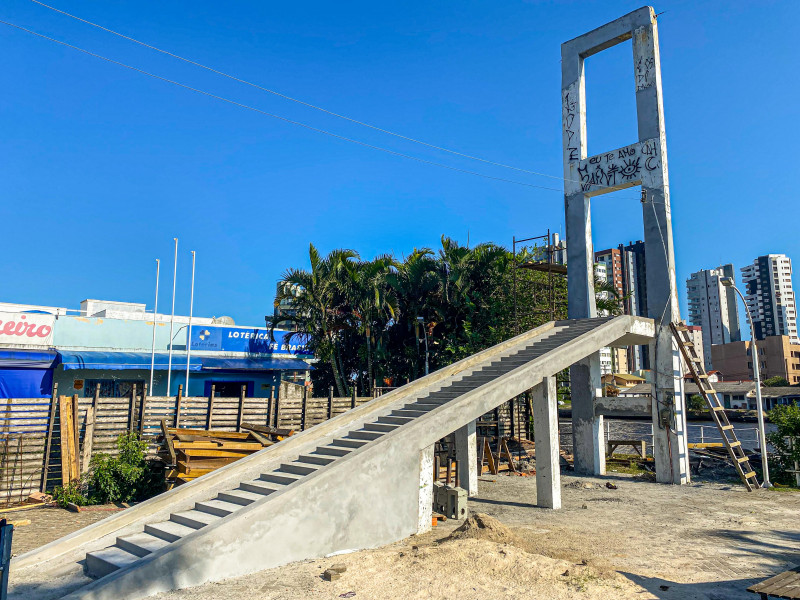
(642, 540)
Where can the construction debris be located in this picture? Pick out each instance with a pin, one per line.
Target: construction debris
(191, 453)
(483, 527)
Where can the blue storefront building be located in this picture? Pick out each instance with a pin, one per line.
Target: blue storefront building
(113, 348)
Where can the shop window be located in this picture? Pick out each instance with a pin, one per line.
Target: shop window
(229, 389)
(112, 388)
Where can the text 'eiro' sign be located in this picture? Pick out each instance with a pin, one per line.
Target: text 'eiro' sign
(26, 329)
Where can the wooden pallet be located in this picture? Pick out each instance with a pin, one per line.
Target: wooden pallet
(192, 453)
(784, 585)
(716, 407)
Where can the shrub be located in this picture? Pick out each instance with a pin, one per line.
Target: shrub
(696, 402)
(72, 493)
(122, 478)
(787, 420)
(776, 381)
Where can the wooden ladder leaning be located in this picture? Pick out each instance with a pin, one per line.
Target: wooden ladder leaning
(716, 408)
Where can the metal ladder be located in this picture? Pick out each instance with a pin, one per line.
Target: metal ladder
(716, 408)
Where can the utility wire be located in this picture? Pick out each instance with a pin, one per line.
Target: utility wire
(284, 119)
(298, 101)
(302, 102)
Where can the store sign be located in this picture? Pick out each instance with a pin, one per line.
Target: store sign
(30, 329)
(256, 341)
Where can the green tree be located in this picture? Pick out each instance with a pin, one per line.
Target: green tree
(787, 420)
(372, 302)
(776, 381)
(320, 306)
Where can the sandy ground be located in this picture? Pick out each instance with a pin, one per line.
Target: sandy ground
(642, 540)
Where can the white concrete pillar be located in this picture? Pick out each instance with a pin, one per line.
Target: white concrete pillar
(467, 455)
(425, 490)
(588, 444)
(545, 433)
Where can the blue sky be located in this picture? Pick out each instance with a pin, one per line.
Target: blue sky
(101, 166)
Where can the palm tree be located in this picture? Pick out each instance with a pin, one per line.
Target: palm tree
(318, 297)
(372, 302)
(415, 285)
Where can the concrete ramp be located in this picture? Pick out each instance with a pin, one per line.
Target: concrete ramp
(360, 480)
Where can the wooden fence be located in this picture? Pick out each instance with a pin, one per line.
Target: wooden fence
(30, 428)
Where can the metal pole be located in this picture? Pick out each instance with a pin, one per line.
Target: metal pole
(155, 316)
(514, 280)
(427, 370)
(189, 334)
(172, 317)
(762, 438)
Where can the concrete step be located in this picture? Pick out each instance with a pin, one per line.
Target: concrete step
(352, 444)
(108, 560)
(314, 460)
(296, 469)
(408, 413)
(195, 519)
(221, 508)
(241, 497)
(168, 530)
(140, 544)
(278, 478)
(257, 486)
(395, 420)
(380, 427)
(328, 451)
(364, 435)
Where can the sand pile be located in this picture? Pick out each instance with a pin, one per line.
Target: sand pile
(481, 526)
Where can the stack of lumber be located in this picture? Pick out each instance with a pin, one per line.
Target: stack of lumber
(191, 453)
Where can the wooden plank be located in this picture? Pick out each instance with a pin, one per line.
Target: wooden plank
(168, 442)
(281, 431)
(88, 440)
(210, 432)
(254, 446)
(178, 406)
(190, 453)
(67, 439)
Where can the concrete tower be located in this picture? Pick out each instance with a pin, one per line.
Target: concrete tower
(641, 163)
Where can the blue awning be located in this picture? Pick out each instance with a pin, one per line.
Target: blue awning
(119, 361)
(26, 359)
(212, 363)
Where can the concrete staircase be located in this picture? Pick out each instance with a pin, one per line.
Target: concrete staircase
(352, 482)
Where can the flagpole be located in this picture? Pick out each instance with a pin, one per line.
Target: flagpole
(189, 334)
(172, 318)
(155, 316)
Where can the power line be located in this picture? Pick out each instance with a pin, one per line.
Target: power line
(298, 101)
(284, 119)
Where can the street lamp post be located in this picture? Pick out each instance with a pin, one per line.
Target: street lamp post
(421, 321)
(762, 439)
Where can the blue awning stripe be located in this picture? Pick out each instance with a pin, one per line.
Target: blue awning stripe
(26, 359)
(116, 361)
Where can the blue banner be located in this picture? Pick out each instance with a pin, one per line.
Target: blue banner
(255, 341)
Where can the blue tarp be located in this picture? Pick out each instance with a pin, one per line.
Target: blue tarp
(212, 363)
(26, 383)
(115, 361)
(26, 373)
(121, 361)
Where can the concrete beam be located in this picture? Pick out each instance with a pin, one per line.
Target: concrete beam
(545, 432)
(639, 406)
(467, 456)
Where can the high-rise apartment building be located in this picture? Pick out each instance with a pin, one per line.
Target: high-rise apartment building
(770, 297)
(713, 307)
(625, 268)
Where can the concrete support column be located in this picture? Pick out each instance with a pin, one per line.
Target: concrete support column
(670, 448)
(588, 447)
(467, 456)
(545, 432)
(425, 490)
